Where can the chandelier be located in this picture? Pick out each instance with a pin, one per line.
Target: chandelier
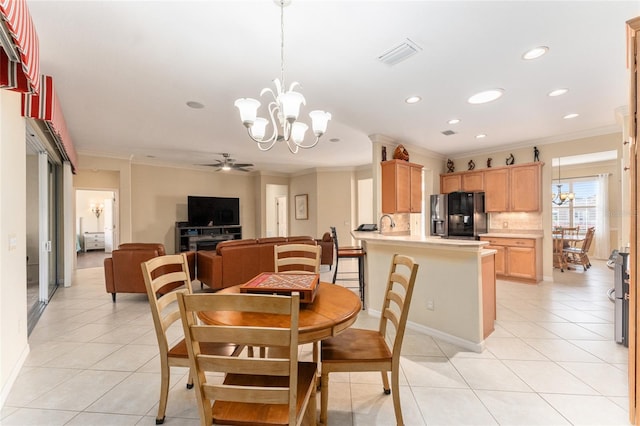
(285, 106)
(559, 197)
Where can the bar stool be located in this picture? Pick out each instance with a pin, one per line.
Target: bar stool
(352, 252)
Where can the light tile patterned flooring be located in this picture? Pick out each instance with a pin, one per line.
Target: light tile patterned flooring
(551, 361)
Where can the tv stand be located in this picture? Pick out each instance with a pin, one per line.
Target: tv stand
(194, 238)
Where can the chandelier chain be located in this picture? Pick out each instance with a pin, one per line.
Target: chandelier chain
(282, 42)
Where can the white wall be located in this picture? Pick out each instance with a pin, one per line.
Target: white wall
(13, 273)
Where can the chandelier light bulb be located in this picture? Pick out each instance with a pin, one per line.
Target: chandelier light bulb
(319, 121)
(259, 128)
(290, 103)
(248, 110)
(298, 130)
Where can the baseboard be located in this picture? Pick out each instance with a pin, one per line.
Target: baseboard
(15, 371)
(454, 340)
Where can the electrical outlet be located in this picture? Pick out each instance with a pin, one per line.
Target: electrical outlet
(430, 305)
(505, 224)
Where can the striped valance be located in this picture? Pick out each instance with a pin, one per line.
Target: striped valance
(45, 106)
(24, 75)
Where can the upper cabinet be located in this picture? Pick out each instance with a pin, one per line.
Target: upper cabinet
(496, 193)
(450, 183)
(506, 189)
(401, 187)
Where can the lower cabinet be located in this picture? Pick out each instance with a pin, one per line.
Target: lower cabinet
(517, 258)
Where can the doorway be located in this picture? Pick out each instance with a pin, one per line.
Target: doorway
(45, 239)
(276, 215)
(95, 226)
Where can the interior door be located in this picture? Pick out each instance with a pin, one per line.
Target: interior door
(281, 208)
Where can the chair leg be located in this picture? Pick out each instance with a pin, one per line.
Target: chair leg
(396, 396)
(324, 397)
(385, 383)
(164, 390)
(361, 279)
(190, 380)
(335, 271)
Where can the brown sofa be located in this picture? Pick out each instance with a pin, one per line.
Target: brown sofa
(122, 271)
(237, 261)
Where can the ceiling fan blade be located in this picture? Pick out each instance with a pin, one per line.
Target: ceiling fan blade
(242, 165)
(242, 169)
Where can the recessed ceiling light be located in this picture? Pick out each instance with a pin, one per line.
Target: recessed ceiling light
(572, 115)
(454, 121)
(413, 99)
(486, 96)
(480, 136)
(558, 92)
(195, 105)
(334, 140)
(535, 53)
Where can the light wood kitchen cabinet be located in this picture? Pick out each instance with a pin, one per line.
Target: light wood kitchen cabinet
(506, 189)
(525, 188)
(450, 183)
(473, 181)
(517, 258)
(496, 194)
(401, 187)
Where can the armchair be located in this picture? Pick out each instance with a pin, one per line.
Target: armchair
(122, 270)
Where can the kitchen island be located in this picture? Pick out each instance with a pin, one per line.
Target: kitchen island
(454, 295)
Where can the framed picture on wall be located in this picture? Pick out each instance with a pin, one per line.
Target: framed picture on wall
(302, 207)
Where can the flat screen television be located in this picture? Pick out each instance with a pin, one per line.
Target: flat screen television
(213, 211)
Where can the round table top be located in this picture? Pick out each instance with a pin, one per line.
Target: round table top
(333, 310)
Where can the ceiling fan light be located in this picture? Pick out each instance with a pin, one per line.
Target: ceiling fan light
(259, 128)
(290, 103)
(319, 121)
(248, 108)
(298, 130)
(226, 167)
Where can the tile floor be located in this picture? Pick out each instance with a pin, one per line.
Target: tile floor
(551, 361)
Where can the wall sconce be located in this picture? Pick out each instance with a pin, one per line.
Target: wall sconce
(97, 209)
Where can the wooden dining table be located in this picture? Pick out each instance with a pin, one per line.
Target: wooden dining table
(333, 310)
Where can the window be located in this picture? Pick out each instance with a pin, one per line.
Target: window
(582, 211)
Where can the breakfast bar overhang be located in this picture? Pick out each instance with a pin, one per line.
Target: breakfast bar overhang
(454, 298)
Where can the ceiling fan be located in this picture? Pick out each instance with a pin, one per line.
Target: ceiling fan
(228, 163)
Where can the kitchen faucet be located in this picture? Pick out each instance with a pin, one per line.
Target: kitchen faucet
(393, 224)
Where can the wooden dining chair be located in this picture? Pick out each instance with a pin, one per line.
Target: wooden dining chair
(367, 350)
(298, 258)
(157, 273)
(254, 391)
(579, 254)
(559, 260)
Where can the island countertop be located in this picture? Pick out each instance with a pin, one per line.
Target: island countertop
(402, 239)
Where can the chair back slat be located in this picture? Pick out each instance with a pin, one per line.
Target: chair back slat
(266, 395)
(297, 258)
(237, 365)
(248, 335)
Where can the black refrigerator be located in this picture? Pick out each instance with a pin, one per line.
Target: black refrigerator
(466, 218)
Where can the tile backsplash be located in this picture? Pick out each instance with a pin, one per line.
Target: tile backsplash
(515, 222)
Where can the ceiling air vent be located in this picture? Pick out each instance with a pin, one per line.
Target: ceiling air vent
(448, 132)
(399, 53)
